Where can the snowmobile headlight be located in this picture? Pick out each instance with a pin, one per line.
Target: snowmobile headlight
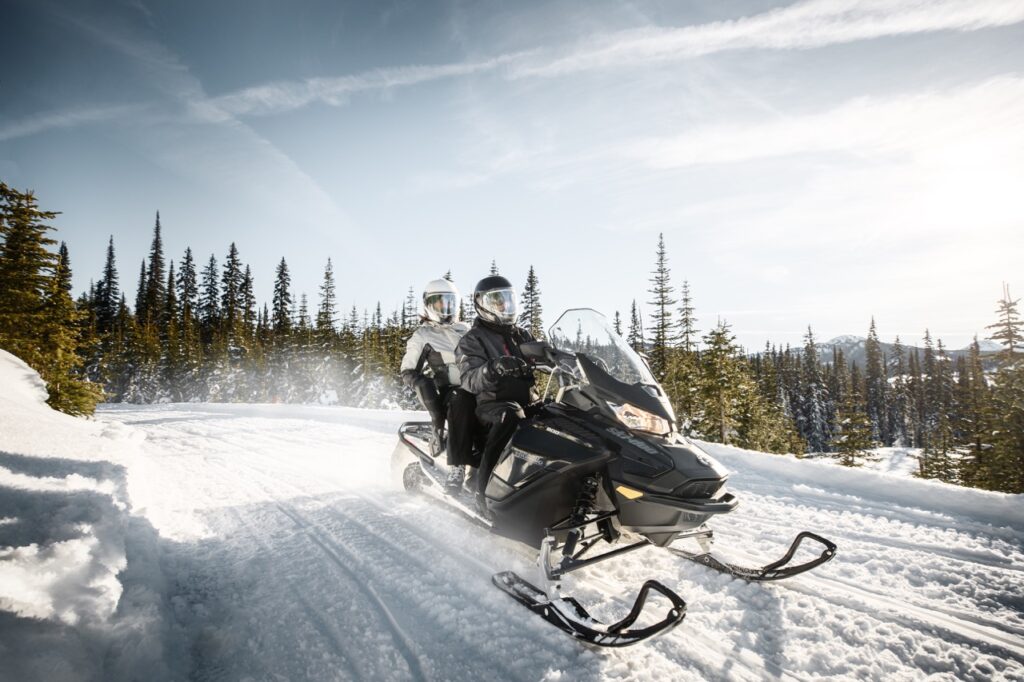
(640, 420)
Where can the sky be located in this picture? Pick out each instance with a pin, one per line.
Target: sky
(813, 163)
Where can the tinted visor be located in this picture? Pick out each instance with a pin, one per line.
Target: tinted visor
(441, 306)
(501, 303)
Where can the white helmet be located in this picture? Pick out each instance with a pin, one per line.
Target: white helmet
(440, 302)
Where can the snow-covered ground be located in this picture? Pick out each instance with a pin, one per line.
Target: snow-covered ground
(267, 542)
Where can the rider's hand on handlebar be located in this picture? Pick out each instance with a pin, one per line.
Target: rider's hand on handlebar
(508, 366)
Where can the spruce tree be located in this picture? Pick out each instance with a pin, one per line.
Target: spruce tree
(108, 293)
(813, 411)
(899, 398)
(156, 275)
(635, 338)
(209, 303)
(617, 323)
(281, 316)
(876, 388)
(688, 331)
(661, 293)
(326, 313)
(232, 281)
(853, 434)
(1009, 329)
(531, 317)
(140, 293)
(27, 270)
(59, 345)
(719, 387)
(173, 357)
(494, 268)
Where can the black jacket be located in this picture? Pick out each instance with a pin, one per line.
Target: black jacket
(481, 344)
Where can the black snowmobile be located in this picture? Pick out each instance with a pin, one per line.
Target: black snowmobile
(602, 462)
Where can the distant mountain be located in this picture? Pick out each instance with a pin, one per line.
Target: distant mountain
(853, 348)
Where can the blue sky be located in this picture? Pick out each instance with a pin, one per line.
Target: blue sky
(809, 163)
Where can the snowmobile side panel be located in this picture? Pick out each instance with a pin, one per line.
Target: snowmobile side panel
(568, 615)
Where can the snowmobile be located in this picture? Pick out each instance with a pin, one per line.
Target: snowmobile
(600, 469)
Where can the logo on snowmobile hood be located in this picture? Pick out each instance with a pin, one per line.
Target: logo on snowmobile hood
(633, 440)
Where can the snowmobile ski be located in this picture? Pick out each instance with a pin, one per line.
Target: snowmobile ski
(777, 570)
(567, 614)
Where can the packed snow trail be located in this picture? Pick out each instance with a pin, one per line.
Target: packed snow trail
(297, 557)
(222, 542)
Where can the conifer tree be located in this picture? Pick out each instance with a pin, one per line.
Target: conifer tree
(248, 298)
(941, 449)
(282, 323)
(209, 304)
(173, 358)
(494, 268)
(687, 321)
(876, 388)
(59, 343)
(617, 323)
(1006, 462)
(156, 276)
(140, 293)
(635, 338)
(27, 270)
(232, 281)
(661, 293)
(108, 293)
(1009, 329)
(409, 311)
(899, 398)
(853, 434)
(531, 317)
(721, 378)
(813, 412)
(326, 313)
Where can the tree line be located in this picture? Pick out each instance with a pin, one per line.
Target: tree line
(196, 333)
(968, 421)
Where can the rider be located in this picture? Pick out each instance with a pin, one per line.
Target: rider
(494, 370)
(434, 376)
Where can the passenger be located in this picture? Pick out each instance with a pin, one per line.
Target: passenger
(494, 370)
(434, 376)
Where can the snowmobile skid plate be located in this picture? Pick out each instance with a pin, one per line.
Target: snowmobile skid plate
(773, 571)
(568, 615)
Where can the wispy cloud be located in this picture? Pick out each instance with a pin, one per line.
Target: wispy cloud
(863, 127)
(288, 95)
(67, 119)
(803, 25)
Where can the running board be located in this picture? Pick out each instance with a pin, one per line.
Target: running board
(773, 571)
(570, 617)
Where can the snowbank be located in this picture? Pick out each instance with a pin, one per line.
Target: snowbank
(850, 484)
(65, 537)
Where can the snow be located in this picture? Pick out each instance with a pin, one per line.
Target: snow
(201, 541)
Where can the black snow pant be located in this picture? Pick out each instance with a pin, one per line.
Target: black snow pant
(464, 431)
(501, 418)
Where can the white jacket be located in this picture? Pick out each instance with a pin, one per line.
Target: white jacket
(443, 338)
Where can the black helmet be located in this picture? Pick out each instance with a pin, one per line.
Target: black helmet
(495, 300)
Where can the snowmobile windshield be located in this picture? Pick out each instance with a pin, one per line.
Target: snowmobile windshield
(587, 331)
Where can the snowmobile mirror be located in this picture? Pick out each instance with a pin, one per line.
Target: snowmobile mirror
(536, 351)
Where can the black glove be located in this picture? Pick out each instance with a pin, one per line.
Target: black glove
(507, 366)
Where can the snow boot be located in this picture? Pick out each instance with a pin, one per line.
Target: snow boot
(453, 483)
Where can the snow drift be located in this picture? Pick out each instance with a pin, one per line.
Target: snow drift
(65, 539)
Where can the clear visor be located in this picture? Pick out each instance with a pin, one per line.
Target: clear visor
(500, 302)
(442, 306)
